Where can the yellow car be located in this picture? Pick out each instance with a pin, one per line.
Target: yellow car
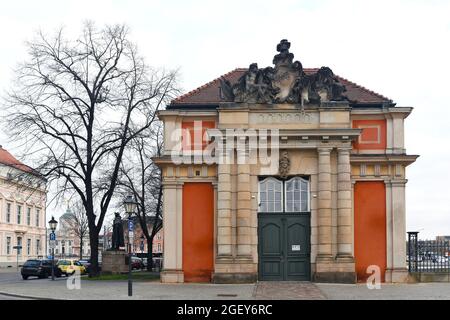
(68, 267)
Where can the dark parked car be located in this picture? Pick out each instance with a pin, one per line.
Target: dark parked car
(38, 268)
(137, 263)
(87, 264)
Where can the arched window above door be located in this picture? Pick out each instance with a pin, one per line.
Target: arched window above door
(289, 196)
(271, 195)
(297, 195)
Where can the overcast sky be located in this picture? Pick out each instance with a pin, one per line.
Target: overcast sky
(400, 49)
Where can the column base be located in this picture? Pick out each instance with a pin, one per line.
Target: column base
(324, 258)
(226, 278)
(340, 270)
(335, 277)
(345, 258)
(172, 276)
(399, 275)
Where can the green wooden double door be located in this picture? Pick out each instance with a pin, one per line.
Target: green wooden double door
(284, 247)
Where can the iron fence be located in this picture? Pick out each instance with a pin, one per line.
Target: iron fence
(427, 255)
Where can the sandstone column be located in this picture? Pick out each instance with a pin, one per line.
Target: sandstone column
(224, 224)
(398, 248)
(344, 205)
(243, 211)
(173, 255)
(324, 204)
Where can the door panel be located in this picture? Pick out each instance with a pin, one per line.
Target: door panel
(271, 248)
(298, 248)
(198, 232)
(284, 246)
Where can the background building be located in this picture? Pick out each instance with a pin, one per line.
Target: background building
(139, 243)
(22, 212)
(68, 242)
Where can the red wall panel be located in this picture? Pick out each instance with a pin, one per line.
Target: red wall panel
(370, 227)
(373, 135)
(198, 232)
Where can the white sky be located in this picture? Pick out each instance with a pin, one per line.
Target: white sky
(400, 49)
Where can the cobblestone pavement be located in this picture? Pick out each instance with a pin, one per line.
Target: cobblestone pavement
(288, 290)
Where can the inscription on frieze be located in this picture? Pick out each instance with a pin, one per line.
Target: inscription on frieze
(285, 117)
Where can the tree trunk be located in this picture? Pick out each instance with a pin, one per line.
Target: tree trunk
(81, 248)
(94, 270)
(150, 254)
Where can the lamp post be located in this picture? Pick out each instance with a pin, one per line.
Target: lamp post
(130, 208)
(53, 223)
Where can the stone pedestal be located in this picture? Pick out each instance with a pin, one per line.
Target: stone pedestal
(114, 262)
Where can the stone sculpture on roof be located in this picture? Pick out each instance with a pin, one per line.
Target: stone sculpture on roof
(284, 83)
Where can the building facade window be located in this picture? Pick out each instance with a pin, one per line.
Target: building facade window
(38, 213)
(19, 245)
(159, 247)
(28, 246)
(276, 196)
(19, 214)
(8, 245)
(29, 216)
(8, 212)
(38, 246)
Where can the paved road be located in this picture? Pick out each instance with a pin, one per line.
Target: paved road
(12, 283)
(9, 276)
(5, 297)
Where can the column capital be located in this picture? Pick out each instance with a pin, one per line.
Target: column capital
(172, 184)
(324, 150)
(396, 183)
(344, 150)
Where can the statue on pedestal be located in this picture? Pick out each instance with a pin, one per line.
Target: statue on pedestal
(117, 236)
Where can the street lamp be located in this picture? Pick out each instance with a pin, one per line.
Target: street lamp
(53, 223)
(130, 208)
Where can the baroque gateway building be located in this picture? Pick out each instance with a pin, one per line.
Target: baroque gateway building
(284, 173)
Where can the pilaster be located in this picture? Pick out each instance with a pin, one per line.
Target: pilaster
(324, 204)
(173, 232)
(345, 222)
(397, 270)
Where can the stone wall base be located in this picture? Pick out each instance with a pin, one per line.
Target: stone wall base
(234, 277)
(172, 276)
(429, 277)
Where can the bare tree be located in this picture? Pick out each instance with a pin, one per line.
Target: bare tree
(75, 108)
(77, 223)
(140, 177)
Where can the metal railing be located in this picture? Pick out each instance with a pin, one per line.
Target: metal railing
(427, 255)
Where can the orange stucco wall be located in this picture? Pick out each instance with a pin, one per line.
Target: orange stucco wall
(198, 232)
(370, 227)
(373, 135)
